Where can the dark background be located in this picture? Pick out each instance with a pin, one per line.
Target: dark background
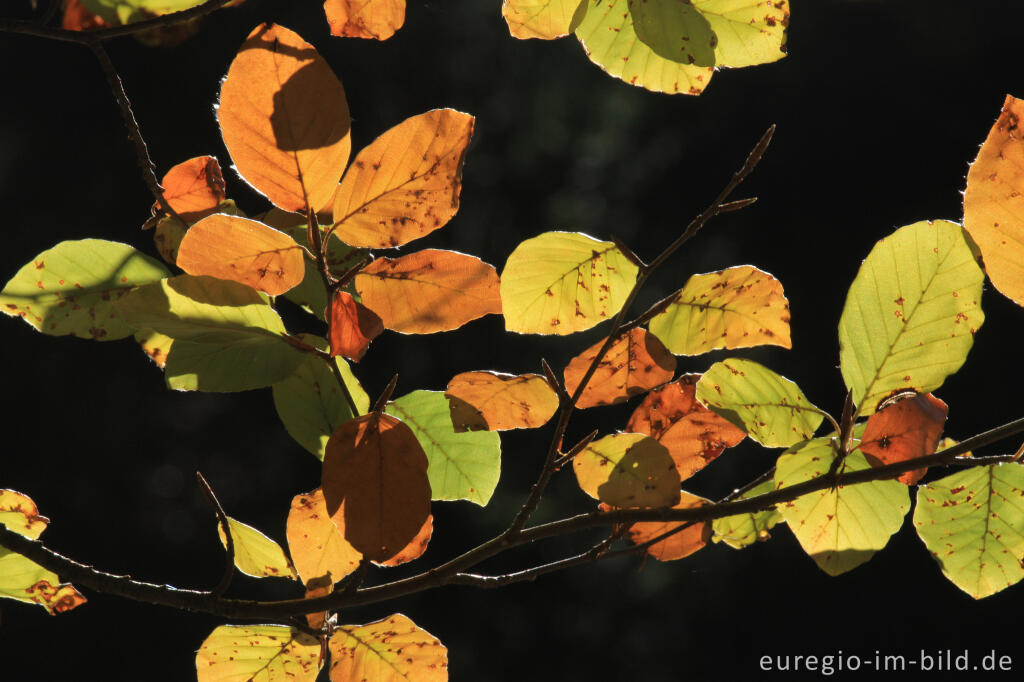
(880, 107)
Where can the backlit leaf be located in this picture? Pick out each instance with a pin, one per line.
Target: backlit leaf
(635, 363)
(375, 481)
(406, 184)
(747, 32)
(429, 291)
(255, 553)
(72, 288)
(770, 408)
(416, 547)
(742, 530)
(693, 434)
(493, 401)
(263, 653)
(194, 188)
(994, 202)
(19, 513)
(840, 529)
(910, 314)
(462, 466)
(284, 119)
(904, 430)
(737, 307)
(376, 19)
(628, 470)
(353, 326)
(564, 282)
(317, 546)
(545, 19)
(393, 649)
(973, 524)
(682, 544)
(243, 251)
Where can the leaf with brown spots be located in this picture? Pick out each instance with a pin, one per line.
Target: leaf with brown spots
(681, 544)
(406, 184)
(243, 251)
(737, 307)
(268, 653)
(317, 547)
(904, 430)
(416, 547)
(375, 483)
(634, 364)
(353, 326)
(318, 587)
(494, 401)
(628, 470)
(194, 188)
(157, 346)
(429, 291)
(544, 19)
(693, 434)
(393, 649)
(19, 513)
(284, 119)
(376, 19)
(255, 553)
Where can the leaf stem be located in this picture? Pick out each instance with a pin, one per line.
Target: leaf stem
(229, 541)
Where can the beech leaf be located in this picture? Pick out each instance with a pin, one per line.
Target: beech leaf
(393, 649)
(743, 530)
(255, 553)
(904, 430)
(628, 470)
(268, 653)
(635, 363)
(493, 401)
(317, 547)
(416, 547)
(194, 188)
(353, 326)
(376, 19)
(544, 19)
(682, 544)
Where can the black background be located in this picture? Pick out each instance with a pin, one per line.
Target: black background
(880, 107)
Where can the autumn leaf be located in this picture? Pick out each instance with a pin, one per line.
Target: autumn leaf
(416, 547)
(429, 291)
(493, 401)
(693, 434)
(406, 184)
(393, 649)
(376, 19)
(269, 653)
(628, 470)
(317, 547)
(353, 326)
(284, 119)
(194, 188)
(683, 543)
(743, 530)
(256, 554)
(906, 429)
(375, 482)
(544, 19)
(635, 363)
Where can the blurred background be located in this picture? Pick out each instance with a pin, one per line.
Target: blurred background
(880, 108)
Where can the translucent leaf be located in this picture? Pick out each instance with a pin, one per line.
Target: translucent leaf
(973, 523)
(263, 653)
(544, 19)
(393, 649)
(904, 430)
(994, 202)
(310, 402)
(682, 544)
(127, 11)
(19, 513)
(194, 188)
(462, 466)
(228, 365)
(416, 547)
(635, 363)
(493, 401)
(747, 32)
(693, 434)
(429, 291)
(353, 326)
(770, 408)
(376, 19)
(284, 119)
(628, 470)
(840, 529)
(255, 553)
(375, 482)
(910, 314)
(317, 546)
(564, 282)
(406, 184)
(737, 307)
(243, 251)
(72, 288)
(742, 530)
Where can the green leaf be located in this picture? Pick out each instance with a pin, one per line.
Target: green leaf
(462, 466)
(973, 523)
(770, 408)
(840, 529)
(127, 11)
(743, 530)
(72, 288)
(255, 553)
(628, 470)
(911, 313)
(267, 653)
(564, 282)
(230, 365)
(747, 32)
(310, 402)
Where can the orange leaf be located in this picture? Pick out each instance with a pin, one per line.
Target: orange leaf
(78, 18)
(693, 434)
(682, 544)
(353, 326)
(376, 19)
(375, 484)
(194, 188)
(243, 251)
(415, 548)
(318, 587)
(492, 401)
(406, 184)
(429, 291)
(904, 430)
(634, 364)
(285, 120)
(317, 548)
(55, 598)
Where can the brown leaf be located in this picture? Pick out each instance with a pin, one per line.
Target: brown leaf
(285, 120)
(634, 364)
(904, 430)
(194, 188)
(682, 544)
(353, 326)
(416, 547)
(376, 19)
(317, 547)
(693, 434)
(78, 18)
(429, 291)
(375, 484)
(492, 401)
(406, 184)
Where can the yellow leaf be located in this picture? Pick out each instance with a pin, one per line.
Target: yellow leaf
(255, 553)
(493, 401)
(316, 545)
(544, 19)
(392, 649)
(628, 470)
(267, 653)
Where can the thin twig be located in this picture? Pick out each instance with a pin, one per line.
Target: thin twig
(385, 395)
(229, 542)
(576, 449)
